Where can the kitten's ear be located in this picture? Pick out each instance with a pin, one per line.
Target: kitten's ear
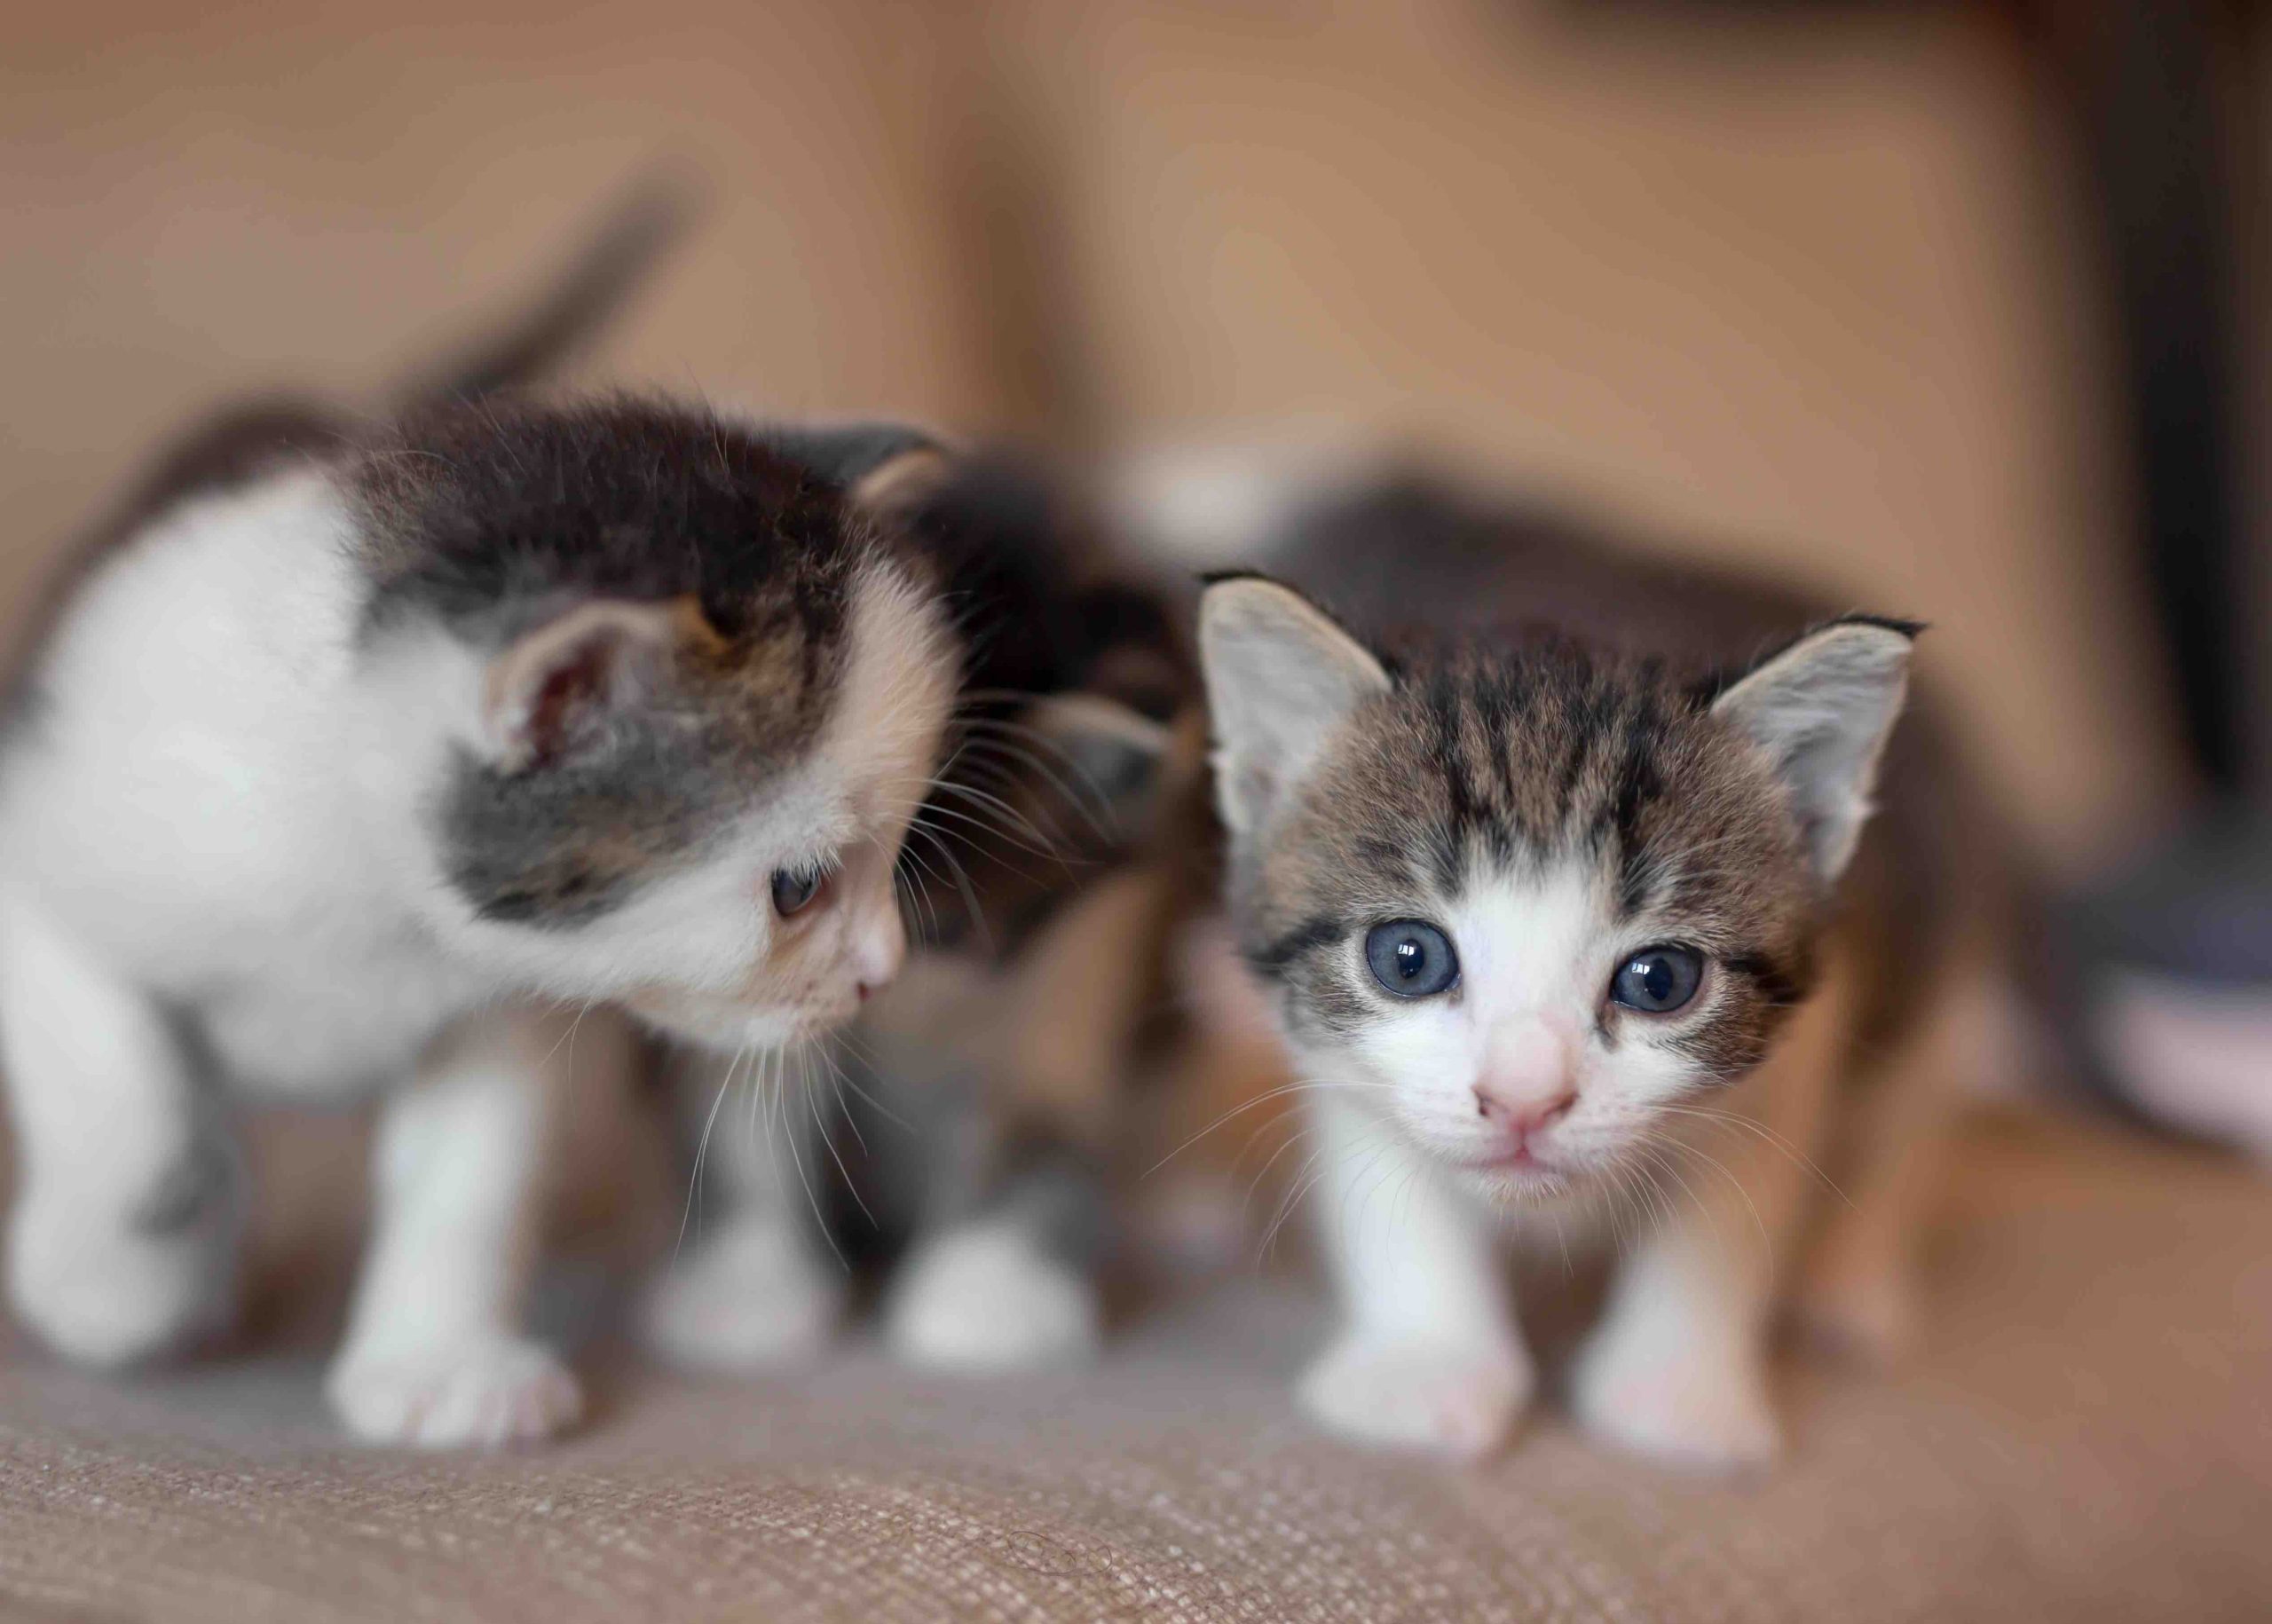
(1108, 755)
(883, 467)
(1822, 708)
(901, 481)
(1280, 676)
(561, 687)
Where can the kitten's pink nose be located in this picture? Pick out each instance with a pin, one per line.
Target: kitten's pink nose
(1521, 1117)
(1527, 1078)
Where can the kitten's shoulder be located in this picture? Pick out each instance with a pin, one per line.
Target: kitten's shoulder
(230, 450)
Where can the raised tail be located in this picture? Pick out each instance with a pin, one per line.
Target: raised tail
(633, 236)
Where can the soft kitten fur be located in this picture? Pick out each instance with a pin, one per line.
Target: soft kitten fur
(961, 1141)
(1559, 809)
(363, 747)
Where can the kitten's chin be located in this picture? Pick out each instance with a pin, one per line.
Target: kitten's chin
(731, 1027)
(1523, 1185)
(1526, 1177)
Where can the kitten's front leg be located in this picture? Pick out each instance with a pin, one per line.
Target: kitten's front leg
(1677, 1368)
(434, 1354)
(1429, 1356)
(1013, 1283)
(124, 1236)
(747, 1288)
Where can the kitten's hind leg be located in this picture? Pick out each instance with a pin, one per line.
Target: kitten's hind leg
(1857, 1293)
(124, 1237)
(1429, 1356)
(745, 1286)
(1015, 1285)
(434, 1354)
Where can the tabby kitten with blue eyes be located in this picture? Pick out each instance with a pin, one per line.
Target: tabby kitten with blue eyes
(1555, 937)
(1543, 925)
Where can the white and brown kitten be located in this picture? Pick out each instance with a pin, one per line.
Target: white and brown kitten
(358, 749)
(1578, 941)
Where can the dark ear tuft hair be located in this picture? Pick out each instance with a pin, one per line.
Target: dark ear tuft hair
(1910, 629)
(848, 455)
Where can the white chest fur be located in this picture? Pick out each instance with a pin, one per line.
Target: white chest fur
(212, 799)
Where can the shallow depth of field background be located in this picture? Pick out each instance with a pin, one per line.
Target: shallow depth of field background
(1812, 286)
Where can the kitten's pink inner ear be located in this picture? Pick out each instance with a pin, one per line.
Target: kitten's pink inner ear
(561, 683)
(1282, 676)
(900, 482)
(1822, 710)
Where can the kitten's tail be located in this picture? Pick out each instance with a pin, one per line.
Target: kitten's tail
(634, 233)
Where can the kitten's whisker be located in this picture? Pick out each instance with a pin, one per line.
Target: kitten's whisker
(1782, 1146)
(1004, 750)
(961, 878)
(916, 900)
(837, 1076)
(828, 1138)
(1378, 1146)
(874, 1104)
(974, 846)
(934, 809)
(1254, 1184)
(1305, 1179)
(701, 1149)
(1241, 1110)
(567, 1039)
(789, 1138)
(1766, 1242)
(1659, 1157)
(1017, 823)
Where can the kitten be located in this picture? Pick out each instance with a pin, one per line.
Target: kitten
(960, 1142)
(1569, 943)
(361, 749)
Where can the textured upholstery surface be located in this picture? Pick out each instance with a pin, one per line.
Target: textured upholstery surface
(2087, 1436)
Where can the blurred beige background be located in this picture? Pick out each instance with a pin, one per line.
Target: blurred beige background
(1807, 289)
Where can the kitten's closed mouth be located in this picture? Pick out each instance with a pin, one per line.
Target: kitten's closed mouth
(1522, 1160)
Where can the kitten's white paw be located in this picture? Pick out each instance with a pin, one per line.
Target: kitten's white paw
(987, 1297)
(487, 1391)
(1691, 1408)
(752, 1295)
(99, 1291)
(1452, 1397)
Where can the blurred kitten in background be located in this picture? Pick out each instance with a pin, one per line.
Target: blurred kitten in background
(1565, 893)
(967, 1137)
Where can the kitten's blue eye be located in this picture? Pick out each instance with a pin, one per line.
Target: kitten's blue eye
(1412, 958)
(793, 889)
(1657, 979)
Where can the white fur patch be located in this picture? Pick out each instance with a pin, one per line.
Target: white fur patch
(987, 1297)
(221, 804)
(751, 1295)
(1536, 951)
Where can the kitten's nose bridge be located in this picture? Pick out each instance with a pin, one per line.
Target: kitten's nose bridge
(874, 941)
(878, 945)
(1528, 1076)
